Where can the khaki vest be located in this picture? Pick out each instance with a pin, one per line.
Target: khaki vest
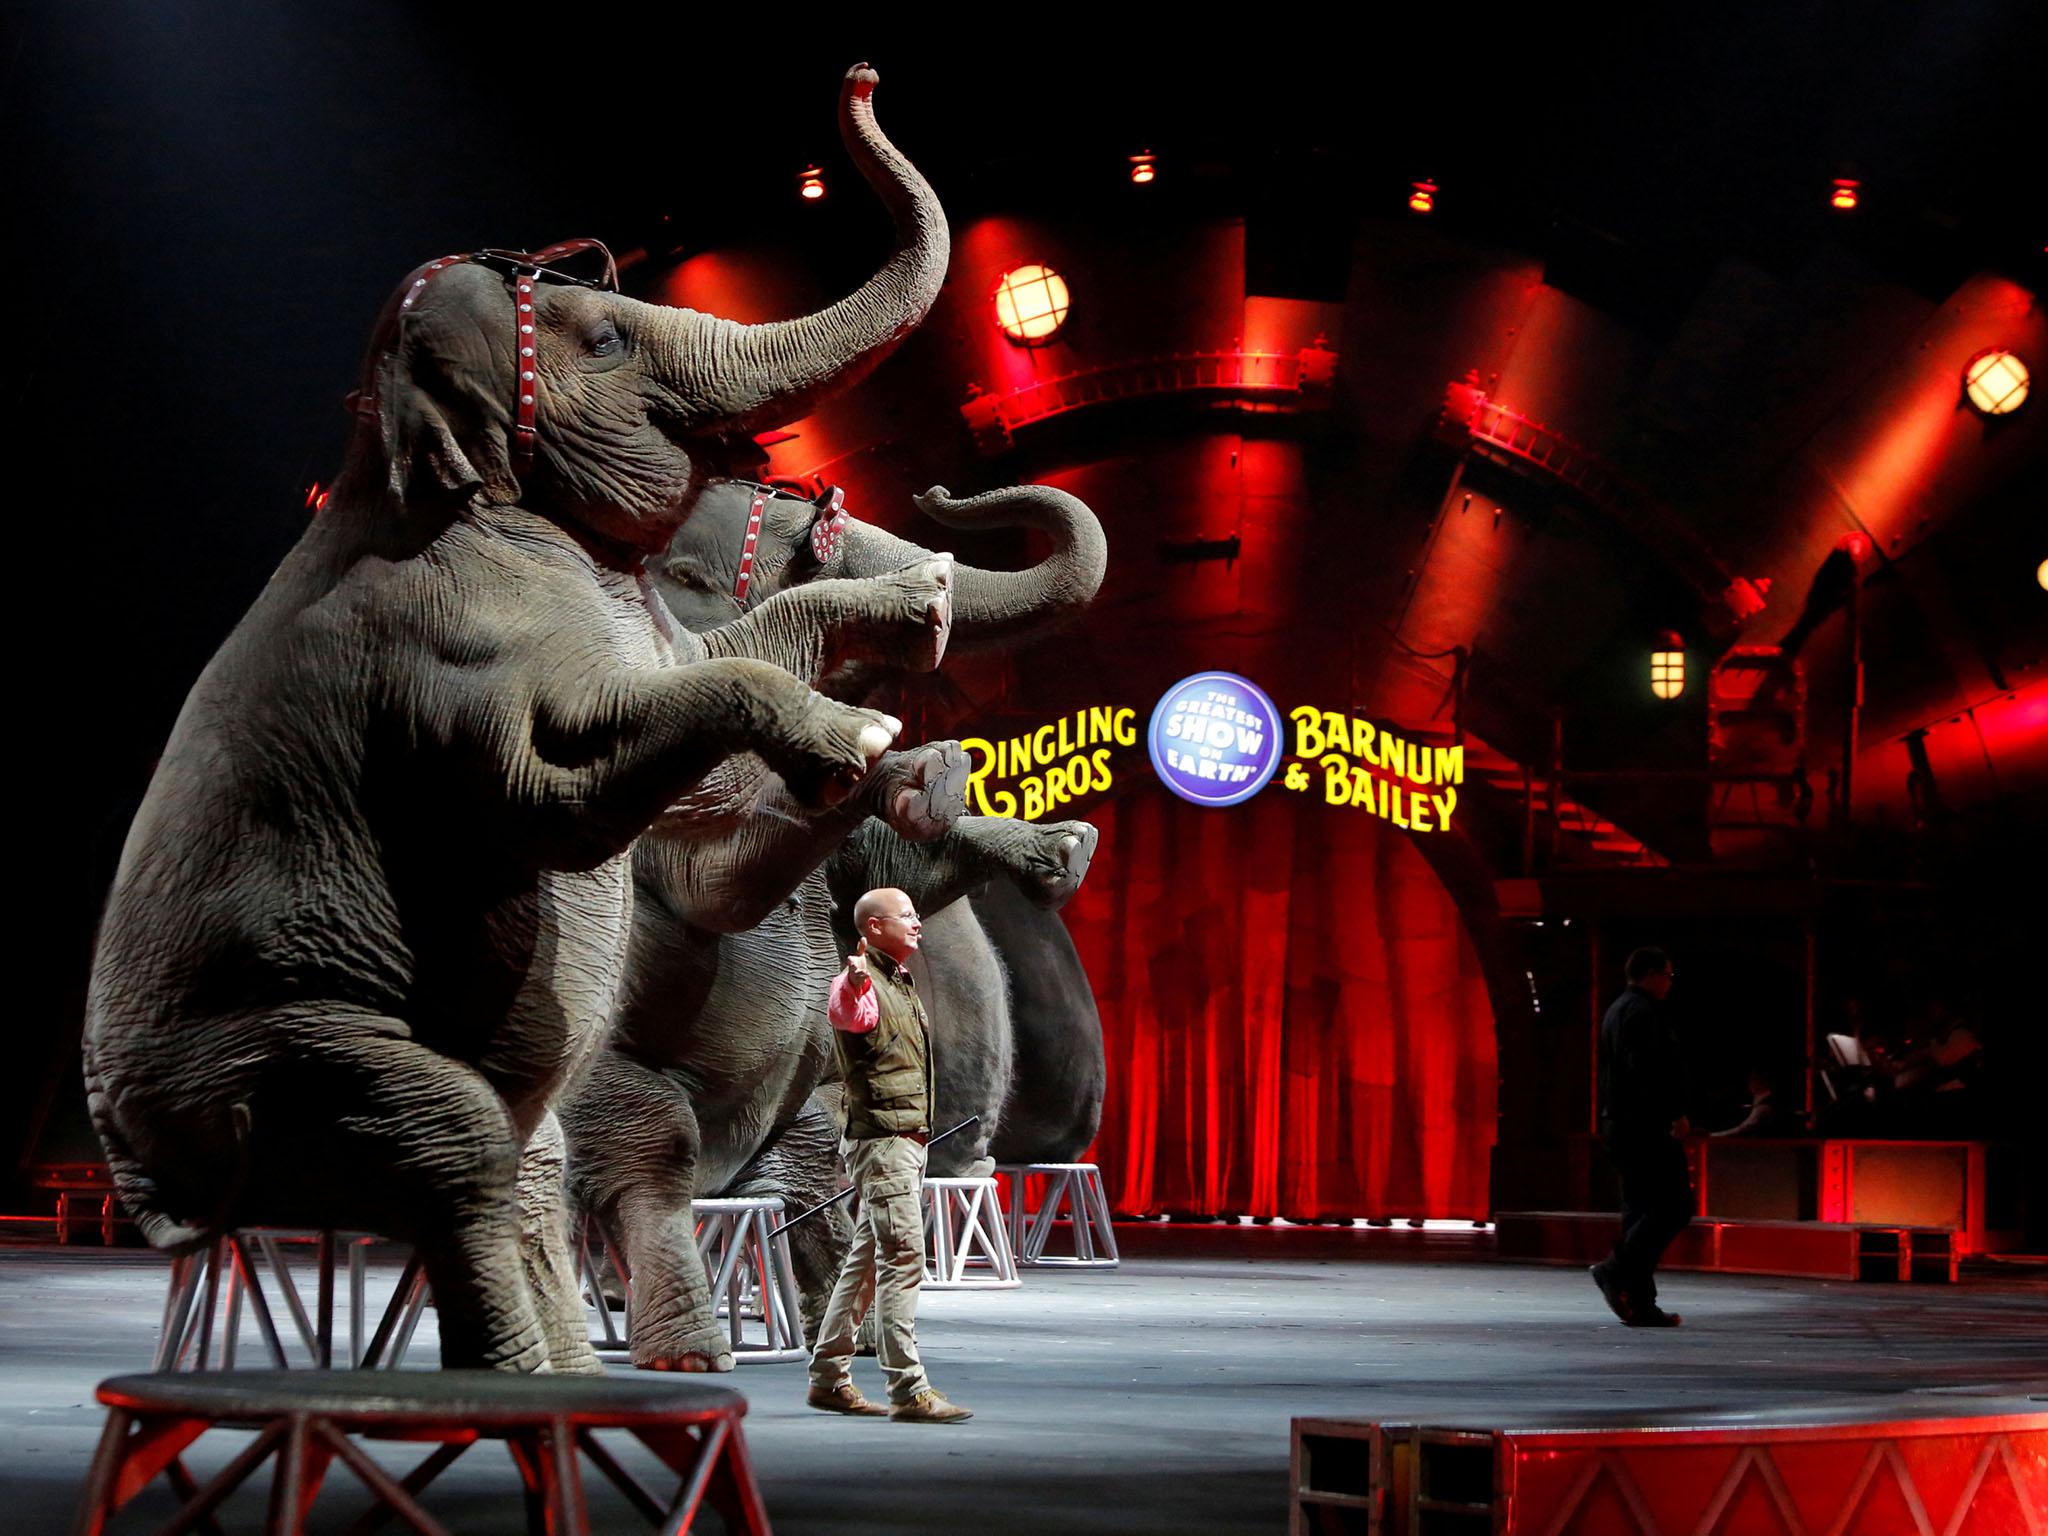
(888, 1070)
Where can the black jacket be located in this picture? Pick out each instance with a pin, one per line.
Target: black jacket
(1641, 1087)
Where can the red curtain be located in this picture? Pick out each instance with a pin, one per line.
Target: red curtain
(1294, 1017)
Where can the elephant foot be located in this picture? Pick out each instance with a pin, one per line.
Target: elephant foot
(921, 598)
(696, 1349)
(825, 755)
(923, 791)
(576, 1362)
(693, 1362)
(1048, 860)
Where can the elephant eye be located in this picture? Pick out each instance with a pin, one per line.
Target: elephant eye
(605, 343)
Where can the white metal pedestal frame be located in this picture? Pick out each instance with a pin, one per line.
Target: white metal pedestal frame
(202, 1327)
(967, 1239)
(1077, 1186)
(753, 1279)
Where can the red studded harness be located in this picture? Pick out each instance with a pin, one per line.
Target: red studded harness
(522, 270)
(827, 529)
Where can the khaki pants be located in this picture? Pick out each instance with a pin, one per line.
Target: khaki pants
(885, 1266)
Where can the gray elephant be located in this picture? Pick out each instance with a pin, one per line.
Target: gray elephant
(1054, 1107)
(711, 1082)
(1052, 1112)
(375, 907)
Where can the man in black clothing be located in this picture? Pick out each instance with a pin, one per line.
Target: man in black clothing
(1642, 1118)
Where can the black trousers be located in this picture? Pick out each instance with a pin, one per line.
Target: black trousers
(1656, 1205)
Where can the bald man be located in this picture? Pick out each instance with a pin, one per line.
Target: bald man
(885, 1056)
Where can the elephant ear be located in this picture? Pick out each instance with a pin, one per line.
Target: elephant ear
(439, 428)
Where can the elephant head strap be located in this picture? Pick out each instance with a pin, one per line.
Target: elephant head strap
(826, 531)
(522, 269)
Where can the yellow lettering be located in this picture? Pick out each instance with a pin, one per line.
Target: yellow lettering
(1102, 775)
(1066, 747)
(1055, 787)
(1127, 727)
(1041, 746)
(1394, 755)
(1446, 803)
(1450, 765)
(1034, 799)
(1308, 739)
(1336, 780)
(1361, 741)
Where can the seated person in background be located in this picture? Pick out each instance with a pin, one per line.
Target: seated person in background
(1766, 1117)
(1947, 1058)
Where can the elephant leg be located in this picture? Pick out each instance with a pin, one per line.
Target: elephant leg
(544, 1256)
(801, 1164)
(636, 1149)
(368, 1127)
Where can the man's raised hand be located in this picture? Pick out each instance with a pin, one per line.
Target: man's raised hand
(857, 969)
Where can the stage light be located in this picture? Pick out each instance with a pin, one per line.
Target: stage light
(1996, 381)
(1423, 198)
(1855, 545)
(2041, 575)
(1144, 168)
(1844, 197)
(1667, 666)
(810, 183)
(1031, 304)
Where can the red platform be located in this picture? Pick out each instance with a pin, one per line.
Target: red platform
(1922, 1477)
(1810, 1250)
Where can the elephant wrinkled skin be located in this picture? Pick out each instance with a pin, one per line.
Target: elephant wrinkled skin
(375, 907)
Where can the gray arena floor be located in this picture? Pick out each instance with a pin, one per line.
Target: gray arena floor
(1152, 1399)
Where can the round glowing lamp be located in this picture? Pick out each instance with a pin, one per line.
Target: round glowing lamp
(1423, 196)
(1144, 169)
(1844, 197)
(1667, 666)
(810, 183)
(1031, 304)
(1996, 381)
(2041, 575)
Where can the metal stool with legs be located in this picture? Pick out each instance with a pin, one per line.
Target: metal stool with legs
(252, 1267)
(309, 1420)
(968, 1238)
(1076, 1187)
(753, 1278)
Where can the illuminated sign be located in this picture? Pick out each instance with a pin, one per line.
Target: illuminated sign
(1052, 765)
(1215, 739)
(1416, 786)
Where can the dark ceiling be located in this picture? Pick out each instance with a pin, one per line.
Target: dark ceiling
(211, 201)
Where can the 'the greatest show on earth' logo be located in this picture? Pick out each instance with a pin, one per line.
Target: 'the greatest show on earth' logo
(1215, 739)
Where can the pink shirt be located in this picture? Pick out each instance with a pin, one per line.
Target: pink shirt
(854, 1012)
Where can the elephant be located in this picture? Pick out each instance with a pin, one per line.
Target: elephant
(1054, 1107)
(715, 1078)
(376, 906)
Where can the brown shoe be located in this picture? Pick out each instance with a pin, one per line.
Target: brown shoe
(845, 1398)
(930, 1408)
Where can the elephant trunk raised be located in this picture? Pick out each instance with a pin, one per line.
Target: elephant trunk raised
(747, 378)
(995, 607)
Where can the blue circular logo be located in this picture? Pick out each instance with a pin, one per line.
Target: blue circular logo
(1215, 739)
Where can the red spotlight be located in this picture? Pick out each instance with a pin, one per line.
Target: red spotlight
(810, 183)
(316, 497)
(1844, 197)
(1423, 198)
(1855, 545)
(1144, 168)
